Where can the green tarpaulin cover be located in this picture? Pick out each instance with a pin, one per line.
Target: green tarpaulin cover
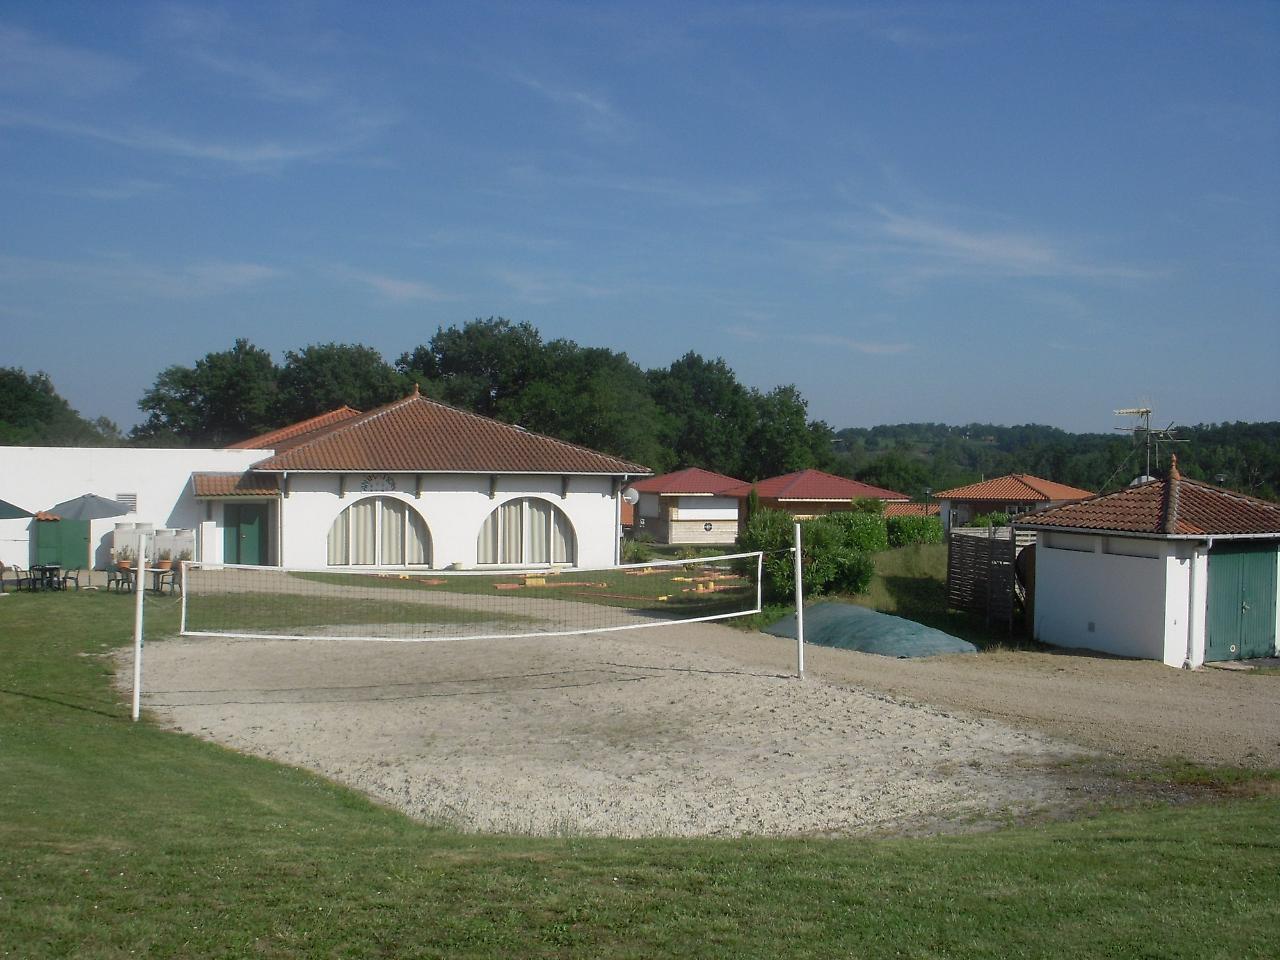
(847, 626)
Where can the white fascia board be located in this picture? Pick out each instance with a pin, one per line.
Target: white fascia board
(1094, 531)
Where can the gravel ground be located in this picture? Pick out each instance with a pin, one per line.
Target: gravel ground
(699, 730)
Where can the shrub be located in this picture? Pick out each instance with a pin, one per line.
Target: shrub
(633, 551)
(866, 505)
(863, 531)
(834, 559)
(907, 530)
(990, 520)
(772, 531)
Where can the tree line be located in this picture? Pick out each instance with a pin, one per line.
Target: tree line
(693, 412)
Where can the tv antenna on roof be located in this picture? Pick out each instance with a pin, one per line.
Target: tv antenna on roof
(1151, 437)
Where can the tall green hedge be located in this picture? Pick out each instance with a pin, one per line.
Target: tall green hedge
(907, 530)
(864, 531)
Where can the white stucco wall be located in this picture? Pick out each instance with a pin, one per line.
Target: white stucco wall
(36, 478)
(1089, 599)
(705, 508)
(1132, 606)
(454, 507)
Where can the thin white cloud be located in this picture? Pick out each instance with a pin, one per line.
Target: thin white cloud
(247, 157)
(678, 193)
(915, 248)
(128, 277)
(123, 190)
(395, 288)
(532, 287)
(38, 65)
(872, 347)
(593, 110)
(266, 82)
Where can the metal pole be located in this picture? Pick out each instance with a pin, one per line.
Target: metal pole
(139, 591)
(799, 606)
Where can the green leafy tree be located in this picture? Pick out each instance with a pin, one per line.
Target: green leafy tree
(781, 440)
(225, 397)
(323, 377)
(708, 415)
(33, 414)
(593, 397)
(484, 366)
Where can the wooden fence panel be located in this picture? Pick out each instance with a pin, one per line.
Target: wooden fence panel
(980, 574)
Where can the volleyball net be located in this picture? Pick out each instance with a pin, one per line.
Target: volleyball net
(407, 604)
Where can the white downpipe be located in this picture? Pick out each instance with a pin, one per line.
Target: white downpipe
(139, 593)
(799, 606)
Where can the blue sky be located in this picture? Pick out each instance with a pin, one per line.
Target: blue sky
(949, 212)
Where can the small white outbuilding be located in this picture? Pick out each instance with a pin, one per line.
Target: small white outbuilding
(1173, 570)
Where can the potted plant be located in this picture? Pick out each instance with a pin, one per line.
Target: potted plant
(124, 558)
(164, 560)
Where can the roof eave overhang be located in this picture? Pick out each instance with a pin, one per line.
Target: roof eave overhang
(478, 472)
(1144, 535)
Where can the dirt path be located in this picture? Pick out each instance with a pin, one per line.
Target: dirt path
(1137, 709)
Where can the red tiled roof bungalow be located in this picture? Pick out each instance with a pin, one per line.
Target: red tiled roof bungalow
(687, 506)
(1172, 569)
(811, 493)
(417, 483)
(1014, 494)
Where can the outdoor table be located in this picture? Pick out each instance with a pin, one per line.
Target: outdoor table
(157, 574)
(46, 576)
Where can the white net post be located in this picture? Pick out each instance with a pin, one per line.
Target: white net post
(799, 606)
(139, 594)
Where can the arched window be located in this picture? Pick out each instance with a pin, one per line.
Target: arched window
(527, 531)
(379, 531)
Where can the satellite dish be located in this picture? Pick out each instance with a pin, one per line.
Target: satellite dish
(631, 496)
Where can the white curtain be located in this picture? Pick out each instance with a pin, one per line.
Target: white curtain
(562, 546)
(511, 526)
(393, 529)
(539, 515)
(526, 531)
(419, 541)
(364, 521)
(338, 541)
(487, 544)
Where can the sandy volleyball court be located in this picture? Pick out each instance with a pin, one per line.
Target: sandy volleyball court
(639, 733)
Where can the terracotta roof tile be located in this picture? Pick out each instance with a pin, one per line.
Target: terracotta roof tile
(246, 484)
(290, 436)
(911, 510)
(1015, 487)
(690, 480)
(814, 485)
(1173, 506)
(417, 435)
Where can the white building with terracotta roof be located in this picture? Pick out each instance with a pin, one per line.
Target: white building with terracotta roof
(1173, 570)
(415, 483)
(1014, 494)
(687, 506)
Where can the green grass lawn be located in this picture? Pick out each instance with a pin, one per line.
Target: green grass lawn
(126, 840)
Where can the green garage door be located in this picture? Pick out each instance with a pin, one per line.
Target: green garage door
(1242, 602)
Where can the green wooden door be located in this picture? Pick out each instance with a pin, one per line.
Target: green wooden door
(62, 542)
(1241, 621)
(244, 533)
